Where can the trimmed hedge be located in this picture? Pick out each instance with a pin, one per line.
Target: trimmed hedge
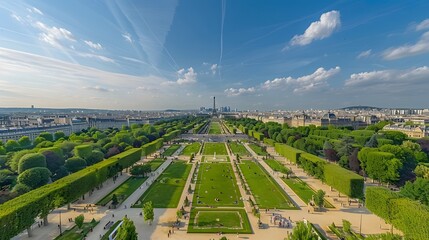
(171, 135)
(151, 147)
(259, 136)
(31, 160)
(312, 164)
(269, 141)
(411, 217)
(345, 181)
(292, 154)
(22, 210)
(83, 151)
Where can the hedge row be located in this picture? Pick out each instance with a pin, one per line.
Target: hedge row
(269, 141)
(151, 147)
(171, 135)
(19, 213)
(411, 217)
(292, 154)
(345, 181)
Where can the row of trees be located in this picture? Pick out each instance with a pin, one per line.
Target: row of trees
(343, 145)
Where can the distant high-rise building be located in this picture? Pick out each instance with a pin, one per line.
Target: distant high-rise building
(32, 106)
(214, 105)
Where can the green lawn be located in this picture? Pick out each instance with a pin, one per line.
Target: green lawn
(211, 148)
(266, 191)
(215, 128)
(216, 181)
(303, 190)
(154, 164)
(165, 192)
(75, 233)
(124, 190)
(191, 148)
(215, 220)
(238, 148)
(276, 166)
(257, 149)
(172, 149)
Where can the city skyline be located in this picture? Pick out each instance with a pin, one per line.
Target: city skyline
(178, 55)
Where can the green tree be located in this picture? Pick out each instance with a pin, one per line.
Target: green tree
(12, 145)
(24, 142)
(83, 151)
(53, 160)
(58, 135)
(21, 188)
(35, 177)
(46, 135)
(38, 140)
(347, 226)
(95, 157)
(31, 160)
(127, 230)
(140, 170)
(179, 214)
(417, 190)
(75, 164)
(79, 221)
(329, 152)
(148, 212)
(422, 171)
(319, 198)
(372, 142)
(114, 200)
(303, 231)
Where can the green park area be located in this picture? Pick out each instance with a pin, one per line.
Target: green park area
(215, 128)
(212, 148)
(124, 190)
(191, 148)
(266, 191)
(215, 220)
(76, 232)
(277, 166)
(258, 149)
(216, 186)
(171, 150)
(238, 148)
(303, 190)
(166, 191)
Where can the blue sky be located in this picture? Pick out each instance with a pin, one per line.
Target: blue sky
(149, 55)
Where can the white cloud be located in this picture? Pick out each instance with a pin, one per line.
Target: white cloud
(27, 75)
(364, 54)
(328, 23)
(98, 89)
(99, 57)
(34, 10)
(305, 83)
(127, 37)
(16, 17)
(423, 25)
(389, 78)
(188, 77)
(420, 47)
(239, 91)
(147, 89)
(214, 68)
(53, 35)
(93, 45)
